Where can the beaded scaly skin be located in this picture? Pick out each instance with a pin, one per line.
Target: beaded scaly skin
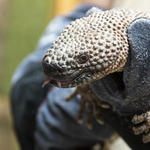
(89, 49)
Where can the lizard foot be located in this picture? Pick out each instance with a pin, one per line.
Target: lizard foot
(89, 98)
(144, 127)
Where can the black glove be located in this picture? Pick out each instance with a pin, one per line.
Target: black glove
(128, 92)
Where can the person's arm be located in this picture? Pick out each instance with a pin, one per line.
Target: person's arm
(27, 93)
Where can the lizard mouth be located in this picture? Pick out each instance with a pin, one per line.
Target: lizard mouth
(117, 78)
(63, 84)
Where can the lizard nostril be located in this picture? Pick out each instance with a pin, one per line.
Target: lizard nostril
(47, 60)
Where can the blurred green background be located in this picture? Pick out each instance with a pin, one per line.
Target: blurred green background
(26, 20)
(21, 25)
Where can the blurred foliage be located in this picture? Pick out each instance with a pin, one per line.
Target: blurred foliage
(26, 20)
(63, 6)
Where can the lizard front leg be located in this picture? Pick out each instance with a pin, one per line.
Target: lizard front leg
(144, 127)
(93, 103)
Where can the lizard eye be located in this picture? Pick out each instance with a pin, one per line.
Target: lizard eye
(83, 59)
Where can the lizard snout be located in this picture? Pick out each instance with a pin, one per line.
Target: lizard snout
(50, 68)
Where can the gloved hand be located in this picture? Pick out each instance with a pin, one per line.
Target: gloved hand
(128, 91)
(136, 78)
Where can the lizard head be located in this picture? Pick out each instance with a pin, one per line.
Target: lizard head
(87, 50)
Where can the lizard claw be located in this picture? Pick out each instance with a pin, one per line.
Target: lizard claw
(89, 116)
(93, 103)
(98, 115)
(146, 138)
(144, 127)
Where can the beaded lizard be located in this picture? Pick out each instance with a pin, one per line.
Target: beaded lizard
(89, 49)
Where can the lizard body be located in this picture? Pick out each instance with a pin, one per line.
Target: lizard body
(89, 49)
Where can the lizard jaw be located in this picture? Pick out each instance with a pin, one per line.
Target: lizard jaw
(63, 84)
